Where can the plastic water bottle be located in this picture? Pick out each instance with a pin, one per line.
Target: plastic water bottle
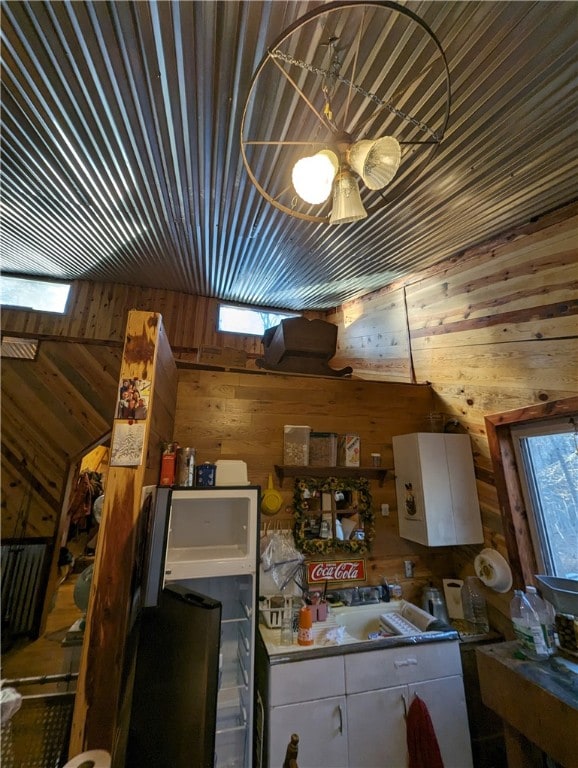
(545, 614)
(474, 605)
(527, 627)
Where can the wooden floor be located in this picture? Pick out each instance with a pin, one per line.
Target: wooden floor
(47, 655)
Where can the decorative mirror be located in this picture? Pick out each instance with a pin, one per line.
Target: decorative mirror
(333, 513)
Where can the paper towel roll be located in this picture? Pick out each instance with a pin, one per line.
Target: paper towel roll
(94, 758)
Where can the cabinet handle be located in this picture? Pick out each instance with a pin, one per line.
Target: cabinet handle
(405, 662)
(340, 718)
(404, 705)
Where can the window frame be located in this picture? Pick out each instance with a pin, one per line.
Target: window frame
(517, 533)
(538, 528)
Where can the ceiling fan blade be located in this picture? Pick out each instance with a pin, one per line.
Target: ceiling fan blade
(375, 161)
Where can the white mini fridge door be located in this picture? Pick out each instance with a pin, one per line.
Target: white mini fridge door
(234, 724)
(206, 540)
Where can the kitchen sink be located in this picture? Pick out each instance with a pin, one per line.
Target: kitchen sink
(360, 621)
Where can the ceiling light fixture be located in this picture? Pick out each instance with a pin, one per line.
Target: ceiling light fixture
(339, 73)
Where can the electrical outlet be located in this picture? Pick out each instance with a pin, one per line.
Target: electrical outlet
(384, 510)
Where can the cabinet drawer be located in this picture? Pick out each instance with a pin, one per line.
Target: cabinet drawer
(398, 666)
(306, 680)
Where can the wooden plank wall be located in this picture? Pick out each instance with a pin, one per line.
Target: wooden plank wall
(491, 329)
(240, 415)
(52, 409)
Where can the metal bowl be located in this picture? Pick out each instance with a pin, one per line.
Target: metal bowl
(562, 593)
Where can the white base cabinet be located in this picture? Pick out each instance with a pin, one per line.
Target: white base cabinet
(349, 710)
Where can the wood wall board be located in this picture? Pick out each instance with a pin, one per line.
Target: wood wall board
(104, 687)
(535, 365)
(516, 284)
(77, 392)
(34, 401)
(545, 327)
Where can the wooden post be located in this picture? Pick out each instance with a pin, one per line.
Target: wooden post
(105, 677)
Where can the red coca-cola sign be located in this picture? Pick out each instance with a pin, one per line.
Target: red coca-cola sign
(336, 570)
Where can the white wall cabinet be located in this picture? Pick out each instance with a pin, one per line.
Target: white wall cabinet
(435, 483)
(349, 710)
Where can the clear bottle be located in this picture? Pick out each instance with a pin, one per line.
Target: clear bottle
(546, 615)
(395, 589)
(474, 605)
(527, 627)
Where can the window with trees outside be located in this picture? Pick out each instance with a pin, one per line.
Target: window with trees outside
(534, 455)
(547, 459)
(252, 321)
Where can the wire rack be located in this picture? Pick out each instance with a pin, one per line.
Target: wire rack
(38, 734)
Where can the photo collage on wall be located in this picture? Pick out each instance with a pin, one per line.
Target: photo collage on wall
(130, 423)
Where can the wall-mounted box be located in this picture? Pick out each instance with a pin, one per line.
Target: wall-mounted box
(437, 500)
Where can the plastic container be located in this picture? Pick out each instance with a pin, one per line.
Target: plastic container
(546, 615)
(527, 628)
(322, 449)
(305, 632)
(474, 605)
(296, 445)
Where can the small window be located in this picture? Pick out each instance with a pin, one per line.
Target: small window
(249, 321)
(39, 295)
(547, 456)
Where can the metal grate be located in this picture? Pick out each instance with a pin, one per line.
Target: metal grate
(37, 736)
(23, 566)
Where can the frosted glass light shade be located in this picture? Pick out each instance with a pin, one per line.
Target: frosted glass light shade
(347, 205)
(313, 176)
(375, 161)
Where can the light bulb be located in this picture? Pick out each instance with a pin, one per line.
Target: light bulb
(313, 176)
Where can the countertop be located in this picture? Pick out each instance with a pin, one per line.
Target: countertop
(280, 654)
(537, 699)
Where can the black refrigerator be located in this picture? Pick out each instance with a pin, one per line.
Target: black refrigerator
(193, 692)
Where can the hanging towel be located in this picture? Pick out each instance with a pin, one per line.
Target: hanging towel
(422, 743)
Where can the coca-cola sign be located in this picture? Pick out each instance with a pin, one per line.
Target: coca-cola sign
(336, 570)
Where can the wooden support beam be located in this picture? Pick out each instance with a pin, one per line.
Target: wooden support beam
(105, 677)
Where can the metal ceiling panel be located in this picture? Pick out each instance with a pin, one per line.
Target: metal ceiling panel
(121, 141)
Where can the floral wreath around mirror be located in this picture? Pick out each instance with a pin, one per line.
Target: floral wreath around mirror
(307, 497)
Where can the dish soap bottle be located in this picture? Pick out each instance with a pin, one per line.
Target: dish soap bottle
(305, 631)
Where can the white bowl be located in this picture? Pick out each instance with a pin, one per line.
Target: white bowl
(493, 570)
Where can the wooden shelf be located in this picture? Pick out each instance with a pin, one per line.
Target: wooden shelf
(369, 473)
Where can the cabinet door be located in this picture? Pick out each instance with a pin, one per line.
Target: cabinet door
(446, 703)
(376, 728)
(322, 729)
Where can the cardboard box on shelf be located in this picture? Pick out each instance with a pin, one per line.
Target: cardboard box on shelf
(349, 450)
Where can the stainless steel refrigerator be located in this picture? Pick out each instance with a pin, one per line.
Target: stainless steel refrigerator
(193, 691)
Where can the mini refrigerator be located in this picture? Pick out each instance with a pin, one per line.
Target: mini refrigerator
(193, 693)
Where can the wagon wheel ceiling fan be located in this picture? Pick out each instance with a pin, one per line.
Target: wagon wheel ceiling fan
(351, 92)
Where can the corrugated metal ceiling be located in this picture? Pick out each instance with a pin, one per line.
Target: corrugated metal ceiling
(121, 151)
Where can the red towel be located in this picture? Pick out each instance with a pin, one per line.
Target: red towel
(422, 743)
